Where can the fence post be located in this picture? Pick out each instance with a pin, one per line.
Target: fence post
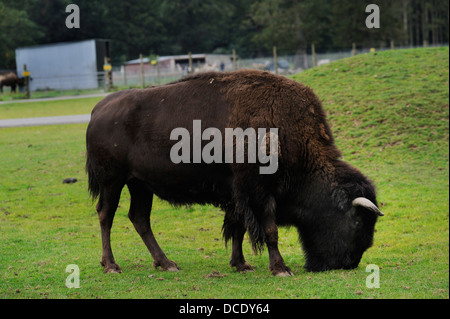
(158, 72)
(142, 70)
(275, 59)
(392, 45)
(191, 67)
(234, 60)
(26, 75)
(353, 49)
(123, 69)
(314, 55)
(108, 77)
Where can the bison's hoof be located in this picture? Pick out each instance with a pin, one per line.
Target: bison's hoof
(166, 266)
(244, 267)
(171, 268)
(282, 272)
(112, 269)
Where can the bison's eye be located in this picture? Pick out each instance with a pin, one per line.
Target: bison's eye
(356, 223)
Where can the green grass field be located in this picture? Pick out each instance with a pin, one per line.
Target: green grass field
(47, 108)
(389, 114)
(8, 96)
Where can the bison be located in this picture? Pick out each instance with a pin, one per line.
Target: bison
(332, 204)
(10, 79)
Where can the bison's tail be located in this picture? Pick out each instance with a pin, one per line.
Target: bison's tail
(93, 185)
(253, 223)
(255, 231)
(241, 219)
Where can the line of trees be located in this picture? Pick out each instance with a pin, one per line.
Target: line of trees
(252, 27)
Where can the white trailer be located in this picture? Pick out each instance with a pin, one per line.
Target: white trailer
(64, 66)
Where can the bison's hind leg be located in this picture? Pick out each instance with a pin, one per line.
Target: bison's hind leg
(106, 208)
(139, 214)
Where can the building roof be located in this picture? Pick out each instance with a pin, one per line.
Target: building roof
(38, 46)
(170, 57)
(137, 61)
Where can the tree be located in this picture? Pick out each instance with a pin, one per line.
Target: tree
(252, 27)
(133, 28)
(196, 25)
(428, 21)
(16, 29)
(278, 23)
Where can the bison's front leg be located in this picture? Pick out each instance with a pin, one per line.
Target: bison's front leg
(234, 229)
(237, 256)
(261, 227)
(276, 262)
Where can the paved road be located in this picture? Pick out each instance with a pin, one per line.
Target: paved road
(68, 119)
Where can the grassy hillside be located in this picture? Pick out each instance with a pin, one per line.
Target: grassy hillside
(389, 115)
(391, 101)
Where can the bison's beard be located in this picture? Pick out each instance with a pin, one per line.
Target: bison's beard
(326, 250)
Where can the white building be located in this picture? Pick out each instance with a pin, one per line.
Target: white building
(178, 63)
(64, 66)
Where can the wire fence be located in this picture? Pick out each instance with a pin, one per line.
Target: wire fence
(286, 64)
(168, 69)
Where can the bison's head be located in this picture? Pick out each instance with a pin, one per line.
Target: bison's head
(336, 231)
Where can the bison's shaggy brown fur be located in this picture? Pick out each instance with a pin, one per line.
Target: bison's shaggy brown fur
(128, 143)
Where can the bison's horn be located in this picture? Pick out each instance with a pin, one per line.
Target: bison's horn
(364, 202)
